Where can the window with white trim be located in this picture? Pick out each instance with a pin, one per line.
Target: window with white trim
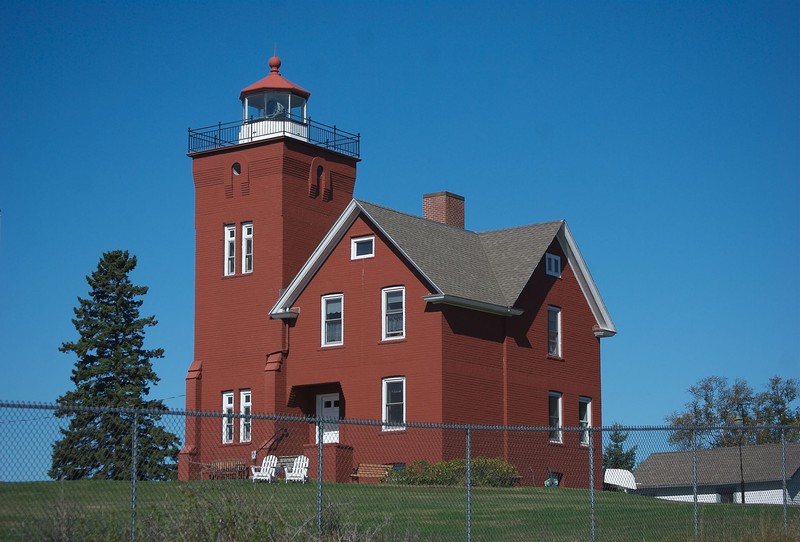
(246, 410)
(584, 418)
(230, 249)
(394, 403)
(393, 307)
(247, 247)
(552, 264)
(554, 331)
(362, 247)
(332, 320)
(554, 416)
(227, 418)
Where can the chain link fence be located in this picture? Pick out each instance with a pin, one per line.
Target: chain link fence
(448, 482)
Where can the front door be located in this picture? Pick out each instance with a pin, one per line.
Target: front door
(328, 408)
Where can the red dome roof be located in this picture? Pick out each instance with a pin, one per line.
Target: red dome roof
(275, 81)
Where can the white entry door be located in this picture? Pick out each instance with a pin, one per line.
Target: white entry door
(328, 408)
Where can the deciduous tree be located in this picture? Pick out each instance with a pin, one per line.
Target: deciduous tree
(113, 369)
(716, 404)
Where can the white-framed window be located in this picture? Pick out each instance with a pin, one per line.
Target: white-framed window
(246, 410)
(584, 418)
(394, 403)
(554, 415)
(332, 320)
(230, 249)
(227, 418)
(362, 247)
(554, 331)
(552, 264)
(393, 308)
(247, 247)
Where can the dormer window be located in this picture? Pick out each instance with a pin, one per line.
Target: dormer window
(362, 247)
(553, 265)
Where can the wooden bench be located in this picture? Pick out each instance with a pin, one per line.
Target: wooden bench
(371, 470)
(225, 469)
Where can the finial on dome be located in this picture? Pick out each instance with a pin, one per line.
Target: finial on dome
(274, 64)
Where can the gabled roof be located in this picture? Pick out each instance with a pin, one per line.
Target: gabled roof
(717, 466)
(482, 271)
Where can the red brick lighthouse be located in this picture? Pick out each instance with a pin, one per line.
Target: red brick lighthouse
(267, 189)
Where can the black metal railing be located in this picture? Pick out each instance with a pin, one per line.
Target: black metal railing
(241, 132)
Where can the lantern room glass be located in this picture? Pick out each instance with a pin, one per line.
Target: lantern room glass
(274, 105)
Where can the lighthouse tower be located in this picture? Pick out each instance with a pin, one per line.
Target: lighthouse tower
(267, 189)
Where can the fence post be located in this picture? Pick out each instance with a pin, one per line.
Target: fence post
(320, 433)
(783, 478)
(134, 474)
(592, 527)
(469, 483)
(694, 485)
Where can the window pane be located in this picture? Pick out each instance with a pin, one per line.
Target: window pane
(394, 300)
(333, 308)
(394, 392)
(394, 413)
(333, 320)
(555, 417)
(553, 411)
(553, 324)
(298, 105)
(583, 419)
(394, 324)
(394, 313)
(333, 332)
(364, 248)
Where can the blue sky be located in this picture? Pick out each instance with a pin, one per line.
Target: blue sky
(667, 134)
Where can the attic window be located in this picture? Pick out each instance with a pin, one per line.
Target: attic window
(362, 247)
(553, 265)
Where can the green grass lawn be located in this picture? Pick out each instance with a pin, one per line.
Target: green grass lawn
(241, 510)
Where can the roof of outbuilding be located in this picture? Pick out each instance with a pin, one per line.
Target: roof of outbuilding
(717, 466)
(484, 271)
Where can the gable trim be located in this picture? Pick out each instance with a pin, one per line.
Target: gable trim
(283, 309)
(605, 327)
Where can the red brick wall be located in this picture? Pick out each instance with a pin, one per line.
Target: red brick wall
(474, 369)
(533, 374)
(233, 332)
(360, 364)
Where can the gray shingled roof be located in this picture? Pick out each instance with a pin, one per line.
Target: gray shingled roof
(717, 466)
(491, 267)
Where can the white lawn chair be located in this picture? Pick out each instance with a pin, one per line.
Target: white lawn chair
(299, 470)
(266, 471)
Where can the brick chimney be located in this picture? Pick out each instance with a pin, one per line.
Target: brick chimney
(444, 207)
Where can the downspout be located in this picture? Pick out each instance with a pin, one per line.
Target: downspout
(505, 388)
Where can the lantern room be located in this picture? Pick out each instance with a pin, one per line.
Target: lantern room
(274, 97)
(274, 106)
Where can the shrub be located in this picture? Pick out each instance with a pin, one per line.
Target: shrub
(485, 471)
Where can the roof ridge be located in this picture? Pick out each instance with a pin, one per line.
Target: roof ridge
(558, 221)
(418, 217)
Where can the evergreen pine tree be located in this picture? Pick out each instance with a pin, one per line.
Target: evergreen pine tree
(614, 454)
(113, 369)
